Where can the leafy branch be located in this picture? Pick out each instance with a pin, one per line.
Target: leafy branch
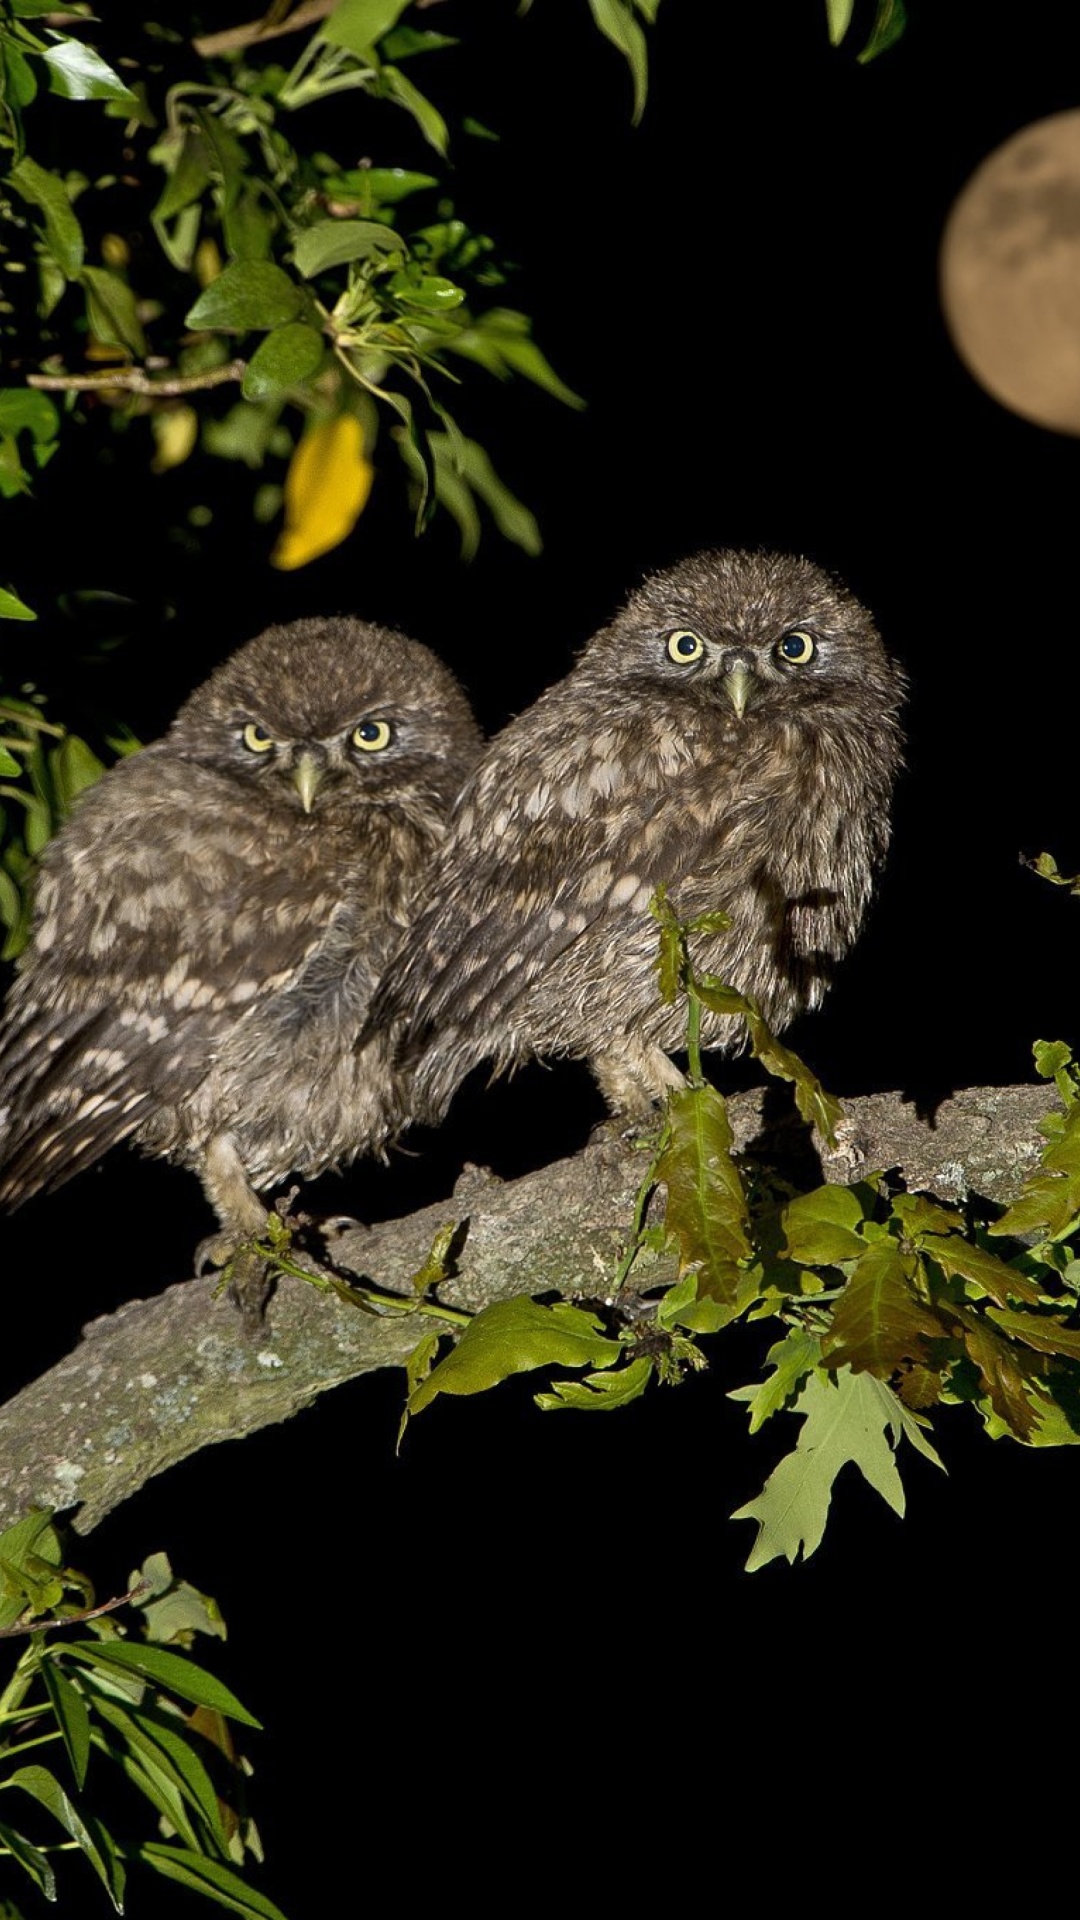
(129, 1702)
(891, 1305)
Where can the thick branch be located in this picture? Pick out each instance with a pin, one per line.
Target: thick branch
(164, 1377)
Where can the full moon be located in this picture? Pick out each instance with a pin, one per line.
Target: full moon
(1010, 273)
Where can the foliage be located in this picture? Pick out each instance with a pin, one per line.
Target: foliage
(43, 768)
(209, 273)
(187, 262)
(890, 1305)
(119, 1711)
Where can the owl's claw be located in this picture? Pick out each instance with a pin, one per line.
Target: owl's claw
(214, 1252)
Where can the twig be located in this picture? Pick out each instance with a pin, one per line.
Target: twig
(267, 28)
(230, 38)
(85, 1613)
(137, 380)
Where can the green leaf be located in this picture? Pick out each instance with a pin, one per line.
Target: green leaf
(845, 1422)
(187, 157)
(71, 1715)
(404, 42)
(615, 19)
(286, 358)
(820, 1227)
(210, 1878)
(12, 608)
(87, 1834)
(172, 1671)
(24, 408)
(174, 1609)
(357, 24)
(331, 243)
(248, 295)
(818, 1108)
(880, 1319)
(151, 1776)
(62, 230)
(516, 1336)
(30, 1562)
(74, 767)
(440, 1261)
(373, 187)
(430, 292)
(937, 1230)
(501, 340)
(461, 468)
(18, 85)
(30, 1859)
(111, 310)
(1005, 1374)
(79, 73)
(791, 1359)
(888, 26)
(428, 118)
(706, 1206)
(599, 1392)
(165, 1747)
(839, 14)
(1041, 1331)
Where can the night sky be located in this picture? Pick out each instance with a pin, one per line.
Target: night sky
(744, 289)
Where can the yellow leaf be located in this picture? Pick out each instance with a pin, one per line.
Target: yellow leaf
(207, 262)
(326, 490)
(175, 430)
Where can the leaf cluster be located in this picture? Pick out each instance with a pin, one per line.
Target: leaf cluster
(891, 1305)
(109, 1709)
(216, 240)
(43, 768)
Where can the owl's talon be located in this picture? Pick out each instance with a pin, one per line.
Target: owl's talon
(334, 1226)
(214, 1252)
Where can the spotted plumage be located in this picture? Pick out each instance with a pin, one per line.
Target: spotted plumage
(732, 734)
(210, 923)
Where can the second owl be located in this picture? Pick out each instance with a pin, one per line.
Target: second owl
(732, 734)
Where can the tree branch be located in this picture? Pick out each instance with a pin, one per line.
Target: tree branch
(137, 380)
(161, 1378)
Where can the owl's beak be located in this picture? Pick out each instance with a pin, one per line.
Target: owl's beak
(307, 777)
(738, 681)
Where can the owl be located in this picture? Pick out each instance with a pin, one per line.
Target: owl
(211, 921)
(734, 735)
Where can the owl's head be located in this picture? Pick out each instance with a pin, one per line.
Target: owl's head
(329, 712)
(753, 632)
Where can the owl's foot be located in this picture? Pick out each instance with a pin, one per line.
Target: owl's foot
(635, 1079)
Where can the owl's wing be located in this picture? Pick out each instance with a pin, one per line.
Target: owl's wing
(514, 893)
(164, 913)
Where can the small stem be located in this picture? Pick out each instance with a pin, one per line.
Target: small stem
(641, 1207)
(24, 1746)
(29, 720)
(693, 1031)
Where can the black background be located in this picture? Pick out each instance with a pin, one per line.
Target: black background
(745, 290)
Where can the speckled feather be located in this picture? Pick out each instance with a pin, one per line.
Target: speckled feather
(637, 769)
(204, 949)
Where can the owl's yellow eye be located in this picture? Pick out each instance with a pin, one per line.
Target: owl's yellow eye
(371, 736)
(797, 647)
(256, 739)
(684, 648)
